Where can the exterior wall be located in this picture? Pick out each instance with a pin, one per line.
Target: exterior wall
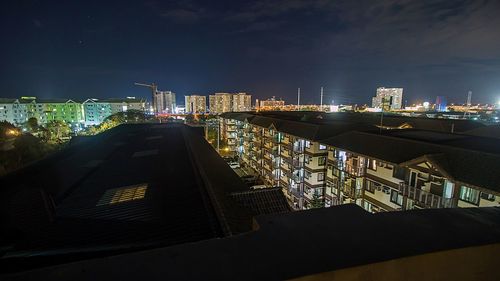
(241, 102)
(7, 111)
(125, 105)
(390, 98)
(96, 112)
(220, 103)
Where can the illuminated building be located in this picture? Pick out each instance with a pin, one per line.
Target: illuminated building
(341, 161)
(388, 98)
(220, 103)
(195, 104)
(164, 102)
(441, 103)
(228, 102)
(241, 102)
(74, 113)
(272, 103)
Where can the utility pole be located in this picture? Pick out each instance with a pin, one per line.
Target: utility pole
(321, 100)
(382, 116)
(298, 99)
(218, 134)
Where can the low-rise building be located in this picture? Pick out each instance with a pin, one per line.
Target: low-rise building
(96, 111)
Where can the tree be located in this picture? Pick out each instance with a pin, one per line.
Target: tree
(189, 118)
(317, 202)
(7, 130)
(32, 124)
(57, 130)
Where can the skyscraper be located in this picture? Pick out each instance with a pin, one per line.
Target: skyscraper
(227, 102)
(164, 102)
(195, 104)
(220, 103)
(388, 98)
(242, 102)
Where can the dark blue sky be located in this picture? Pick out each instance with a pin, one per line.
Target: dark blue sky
(80, 49)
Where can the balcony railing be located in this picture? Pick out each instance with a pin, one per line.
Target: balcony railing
(297, 163)
(355, 171)
(296, 192)
(424, 198)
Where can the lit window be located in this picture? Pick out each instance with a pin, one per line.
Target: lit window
(470, 195)
(308, 144)
(322, 147)
(123, 194)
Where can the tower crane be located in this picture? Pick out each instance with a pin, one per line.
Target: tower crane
(154, 89)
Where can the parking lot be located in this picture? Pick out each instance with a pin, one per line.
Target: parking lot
(246, 174)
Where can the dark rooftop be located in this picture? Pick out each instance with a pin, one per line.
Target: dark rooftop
(132, 187)
(366, 118)
(296, 244)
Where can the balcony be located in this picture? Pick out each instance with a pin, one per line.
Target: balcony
(298, 149)
(425, 199)
(355, 171)
(297, 163)
(285, 153)
(296, 192)
(268, 144)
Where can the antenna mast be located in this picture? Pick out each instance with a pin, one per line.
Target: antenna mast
(469, 103)
(298, 99)
(321, 100)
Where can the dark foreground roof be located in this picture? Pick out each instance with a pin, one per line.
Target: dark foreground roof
(132, 187)
(296, 244)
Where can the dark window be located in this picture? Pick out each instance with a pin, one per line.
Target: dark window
(395, 198)
(487, 196)
(399, 172)
(322, 161)
(370, 187)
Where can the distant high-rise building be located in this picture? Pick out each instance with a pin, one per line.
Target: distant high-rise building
(220, 103)
(164, 102)
(242, 102)
(272, 103)
(388, 98)
(227, 102)
(441, 103)
(195, 104)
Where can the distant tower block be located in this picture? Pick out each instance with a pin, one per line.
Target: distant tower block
(469, 99)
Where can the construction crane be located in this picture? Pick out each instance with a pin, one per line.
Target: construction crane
(154, 89)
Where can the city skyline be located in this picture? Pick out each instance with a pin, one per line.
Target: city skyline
(266, 49)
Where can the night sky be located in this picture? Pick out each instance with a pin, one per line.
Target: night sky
(80, 49)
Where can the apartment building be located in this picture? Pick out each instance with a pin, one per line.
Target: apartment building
(320, 163)
(227, 102)
(242, 102)
(74, 113)
(164, 102)
(388, 98)
(96, 111)
(195, 104)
